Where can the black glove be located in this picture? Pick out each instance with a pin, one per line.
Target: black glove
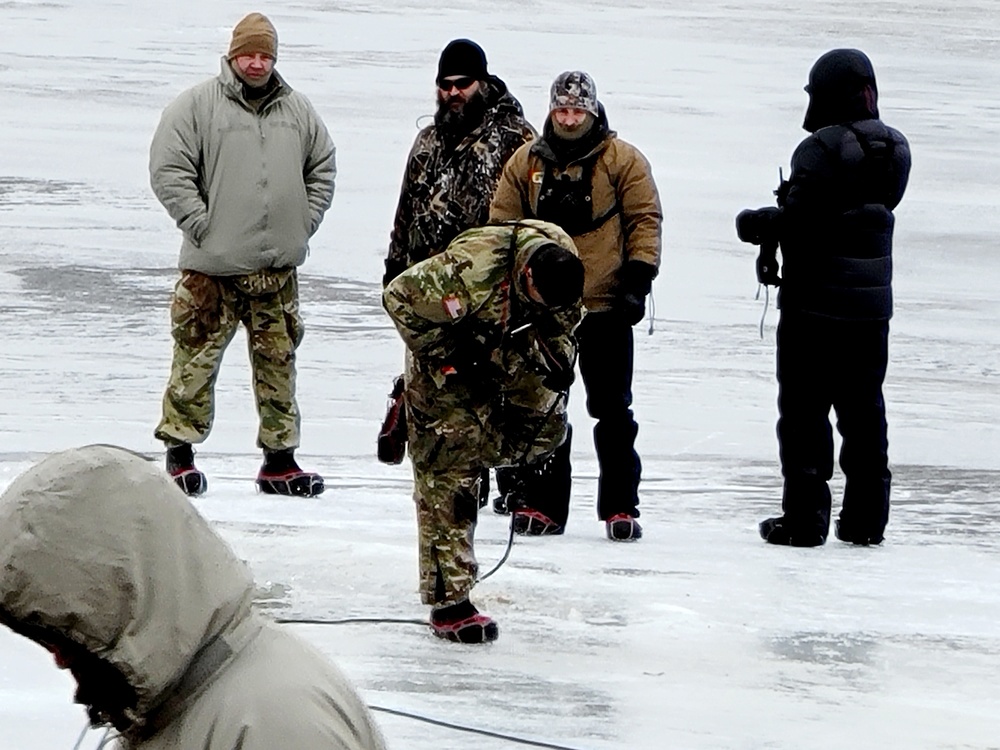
(767, 266)
(472, 363)
(559, 380)
(758, 226)
(637, 280)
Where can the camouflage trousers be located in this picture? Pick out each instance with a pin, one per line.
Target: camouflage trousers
(205, 313)
(454, 433)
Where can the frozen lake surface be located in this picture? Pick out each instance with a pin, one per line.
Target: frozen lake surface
(700, 635)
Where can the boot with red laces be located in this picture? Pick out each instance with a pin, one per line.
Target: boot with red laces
(528, 522)
(281, 475)
(181, 468)
(623, 528)
(463, 623)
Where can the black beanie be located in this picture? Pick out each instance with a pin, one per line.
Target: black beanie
(557, 275)
(462, 57)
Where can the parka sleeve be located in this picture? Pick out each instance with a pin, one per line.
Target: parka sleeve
(810, 182)
(511, 197)
(426, 303)
(319, 171)
(175, 167)
(642, 216)
(398, 258)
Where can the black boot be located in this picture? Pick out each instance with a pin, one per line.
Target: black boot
(281, 475)
(463, 623)
(782, 531)
(180, 466)
(846, 532)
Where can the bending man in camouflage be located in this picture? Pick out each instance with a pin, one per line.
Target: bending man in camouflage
(488, 325)
(246, 168)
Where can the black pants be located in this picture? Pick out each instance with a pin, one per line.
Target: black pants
(824, 363)
(606, 357)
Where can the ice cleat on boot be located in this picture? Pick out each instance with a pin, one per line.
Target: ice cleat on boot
(623, 528)
(181, 468)
(281, 475)
(851, 535)
(529, 522)
(463, 623)
(780, 531)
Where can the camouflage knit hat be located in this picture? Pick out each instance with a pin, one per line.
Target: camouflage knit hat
(255, 33)
(574, 88)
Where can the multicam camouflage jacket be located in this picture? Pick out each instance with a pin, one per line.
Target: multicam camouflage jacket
(470, 297)
(448, 190)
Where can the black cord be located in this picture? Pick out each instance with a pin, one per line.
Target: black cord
(472, 730)
(506, 553)
(351, 621)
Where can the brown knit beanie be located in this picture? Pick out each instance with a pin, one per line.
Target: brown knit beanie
(253, 34)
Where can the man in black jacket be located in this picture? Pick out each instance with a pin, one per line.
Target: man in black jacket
(834, 225)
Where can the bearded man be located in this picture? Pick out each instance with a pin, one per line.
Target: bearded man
(451, 174)
(455, 163)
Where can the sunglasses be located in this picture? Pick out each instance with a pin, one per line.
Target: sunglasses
(456, 83)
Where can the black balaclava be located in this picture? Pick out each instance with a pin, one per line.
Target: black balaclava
(836, 89)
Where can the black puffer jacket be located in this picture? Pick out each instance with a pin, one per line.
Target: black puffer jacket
(836, 222)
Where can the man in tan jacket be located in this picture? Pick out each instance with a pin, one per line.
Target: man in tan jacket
(108, 566)
(600, 190)
(246, 168)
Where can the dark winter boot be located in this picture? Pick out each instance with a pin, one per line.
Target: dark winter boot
(529, 522)
(623, 528)
(180, 466)
(781, 531)
(281, 475)
(866, 538)
(463, 623)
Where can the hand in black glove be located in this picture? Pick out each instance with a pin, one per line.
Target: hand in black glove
(472, 362)
(758, 226)
(637, 280)
(559, 380)
(767, 266)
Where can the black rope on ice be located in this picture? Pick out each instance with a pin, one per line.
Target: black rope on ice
(351, 621)
(472, 730)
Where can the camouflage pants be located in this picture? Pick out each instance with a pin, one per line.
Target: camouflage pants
(454, 433)
(205, 313)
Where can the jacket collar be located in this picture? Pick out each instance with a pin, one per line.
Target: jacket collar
(233, 87)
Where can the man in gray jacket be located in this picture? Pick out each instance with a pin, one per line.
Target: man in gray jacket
(104, 563)
(246, 168)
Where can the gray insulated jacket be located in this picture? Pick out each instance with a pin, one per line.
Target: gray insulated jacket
(247, 187)
(97, 545)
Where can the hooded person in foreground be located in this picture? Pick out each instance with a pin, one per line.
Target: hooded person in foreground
(834, 225)
(105, 563)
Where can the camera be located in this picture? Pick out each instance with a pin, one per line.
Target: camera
(758, 226)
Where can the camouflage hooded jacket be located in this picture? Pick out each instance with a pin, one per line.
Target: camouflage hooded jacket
(448, 190)
(470, 296)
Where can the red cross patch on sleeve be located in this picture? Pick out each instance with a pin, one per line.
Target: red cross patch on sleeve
(452, 306)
